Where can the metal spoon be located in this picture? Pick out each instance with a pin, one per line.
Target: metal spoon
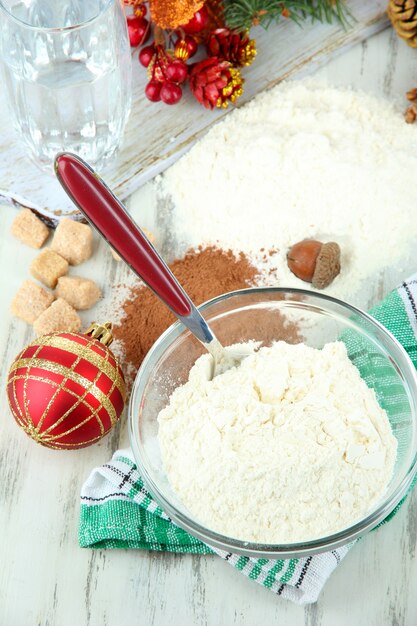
(111, 219)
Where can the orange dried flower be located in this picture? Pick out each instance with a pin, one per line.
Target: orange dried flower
(173, 13)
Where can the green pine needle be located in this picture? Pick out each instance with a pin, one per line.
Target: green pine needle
(243, 14)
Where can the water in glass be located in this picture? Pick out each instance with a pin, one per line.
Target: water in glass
(67, 70)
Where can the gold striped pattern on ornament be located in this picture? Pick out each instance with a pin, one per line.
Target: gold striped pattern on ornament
(79, 353)
(25, 397)
(68, 374)
(101, 362)
(83, 351)
(40, 436)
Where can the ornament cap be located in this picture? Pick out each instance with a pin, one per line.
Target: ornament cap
(102, 332)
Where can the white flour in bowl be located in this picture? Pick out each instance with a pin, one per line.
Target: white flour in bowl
(292, 445)
(303, 161)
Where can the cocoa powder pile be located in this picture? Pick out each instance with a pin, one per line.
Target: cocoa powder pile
(204, 273)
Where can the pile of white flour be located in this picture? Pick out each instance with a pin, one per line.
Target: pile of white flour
(290, 446)
(303, 161)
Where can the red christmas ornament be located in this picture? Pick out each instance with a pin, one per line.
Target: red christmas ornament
(66, 390)
(153, 90)
(146, 54)
(197, 23)
(138, 28)
(171, 93)
(176, 71)
(185, 48)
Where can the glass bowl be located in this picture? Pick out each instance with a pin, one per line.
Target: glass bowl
(266, 315)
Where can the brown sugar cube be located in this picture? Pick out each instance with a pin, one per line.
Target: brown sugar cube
(81, 293)
(149, 234)
(59, 317)
(29, 229)
(48, 266)
(73, 241)
(30, 301)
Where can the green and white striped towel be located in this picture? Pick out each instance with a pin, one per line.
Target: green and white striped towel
(118, 512)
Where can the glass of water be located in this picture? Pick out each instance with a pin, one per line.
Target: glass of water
(67, 72)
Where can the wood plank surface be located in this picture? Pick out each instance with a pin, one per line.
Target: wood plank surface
(47, 580)
(157, 134)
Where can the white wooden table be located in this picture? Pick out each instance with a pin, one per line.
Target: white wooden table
(47, 580)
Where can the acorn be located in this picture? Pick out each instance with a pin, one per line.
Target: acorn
(315, 262)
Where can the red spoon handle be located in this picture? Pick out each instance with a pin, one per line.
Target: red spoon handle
(113, 222)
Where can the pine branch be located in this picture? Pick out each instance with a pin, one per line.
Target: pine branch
(243, 14)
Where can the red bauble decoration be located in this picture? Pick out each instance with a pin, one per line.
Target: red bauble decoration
(146, 54)
(198, 22)
(153, 90)
(185, 48)
(138, 28)
(176, 71)
(192, 45)
(171, 93)
(66, 390)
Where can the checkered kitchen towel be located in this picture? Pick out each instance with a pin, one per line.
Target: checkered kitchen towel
(118, 512)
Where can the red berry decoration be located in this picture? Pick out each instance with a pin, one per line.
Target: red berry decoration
(176, 71)
(215, 83)
(139, 29)
(171, 93)
(66, 390)
(165, 72)
(146, 54)
(198, 22)
(153, 90)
